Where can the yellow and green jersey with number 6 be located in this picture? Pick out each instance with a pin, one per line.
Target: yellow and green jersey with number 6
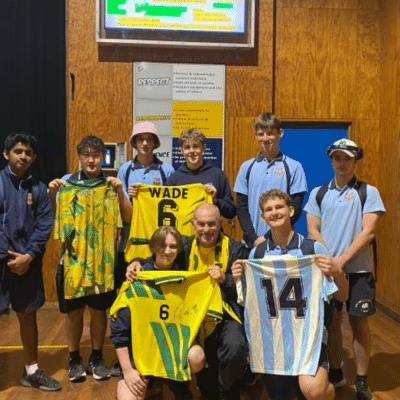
(167, 309)
(156, 206)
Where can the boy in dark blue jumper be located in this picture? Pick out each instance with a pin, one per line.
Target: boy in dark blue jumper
(197, 170)
(26, 217)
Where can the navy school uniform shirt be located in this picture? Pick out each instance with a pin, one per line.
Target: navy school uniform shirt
(26, 215)
(207, 173)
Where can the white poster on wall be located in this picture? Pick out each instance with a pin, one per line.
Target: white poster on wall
(176, 97)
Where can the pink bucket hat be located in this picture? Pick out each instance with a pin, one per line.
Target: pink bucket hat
(144, 127)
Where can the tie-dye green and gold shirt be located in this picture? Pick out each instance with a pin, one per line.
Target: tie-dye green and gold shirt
(87, 222)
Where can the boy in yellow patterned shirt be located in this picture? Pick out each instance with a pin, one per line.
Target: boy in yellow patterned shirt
(87, 205)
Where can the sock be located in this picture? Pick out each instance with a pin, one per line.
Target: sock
(31, 369)
(96, 354)
(74, 355)
(361, 378)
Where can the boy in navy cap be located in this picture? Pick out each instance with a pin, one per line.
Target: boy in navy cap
(343, 214)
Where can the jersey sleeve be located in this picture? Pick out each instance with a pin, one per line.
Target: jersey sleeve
(312, 205)
(328, 287)
(252, 253)
(319, 248)
(373, 202)
(66, 177)
(241, 289)
(241, 184)
(298, 183)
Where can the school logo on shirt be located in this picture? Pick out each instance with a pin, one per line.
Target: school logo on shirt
(278, 171)
(156, 181)
(349, 196)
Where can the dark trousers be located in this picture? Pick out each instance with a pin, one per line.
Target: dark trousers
(225, 351)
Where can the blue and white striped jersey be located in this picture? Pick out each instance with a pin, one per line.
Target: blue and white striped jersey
(284, 313)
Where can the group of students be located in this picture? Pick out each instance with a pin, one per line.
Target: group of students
(270, 190)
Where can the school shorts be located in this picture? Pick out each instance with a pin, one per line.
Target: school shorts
(25, 292)
(100, 301)
(120, 270)
(361, 302)
(281, 387)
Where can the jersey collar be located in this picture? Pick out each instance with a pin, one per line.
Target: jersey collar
(156, 164)
(294, 243)
(279, 157)
(352, 183)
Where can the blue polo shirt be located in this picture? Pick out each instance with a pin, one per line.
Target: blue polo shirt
(293, 248)
(150, 175)
(133, 172)
(341, 217)
(265, 175)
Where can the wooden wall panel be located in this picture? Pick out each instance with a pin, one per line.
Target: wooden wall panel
(295, 63)
(343, 71)
(249, 89)
(368, 65)
(316, 63)
(333, 4)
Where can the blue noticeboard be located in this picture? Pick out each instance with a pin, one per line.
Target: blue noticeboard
(307, 143)
(213, 154)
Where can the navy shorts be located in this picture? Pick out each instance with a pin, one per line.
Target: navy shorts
(361, 302)
(120, 270)
(281, 387)
(24, 292)
(100, 301)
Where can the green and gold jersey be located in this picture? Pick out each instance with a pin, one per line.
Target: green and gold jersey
(156, 206)
(87, 219)
(167, 309)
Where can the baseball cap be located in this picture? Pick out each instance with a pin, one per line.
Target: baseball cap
(347, 146)
(144, 127)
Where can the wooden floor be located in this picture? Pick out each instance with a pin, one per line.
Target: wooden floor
(384, 375)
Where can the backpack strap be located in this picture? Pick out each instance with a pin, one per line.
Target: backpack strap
(321, 193)
(249, 171)
(127, 174)
(287, 171)
(261, 249)
(162, 175)
(307, 247)
(361, 188)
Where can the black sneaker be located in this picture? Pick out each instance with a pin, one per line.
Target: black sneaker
(76, 370)
(336, 377)
(40, 380)
(115, 369)
(98, 369)
(362, 390)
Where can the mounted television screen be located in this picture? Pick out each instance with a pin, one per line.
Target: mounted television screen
(178, 23)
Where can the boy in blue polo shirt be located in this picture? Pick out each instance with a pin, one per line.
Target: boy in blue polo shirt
(270, 169)
(343, 215)
(27, 219)
(281, 240)
(144, 168)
